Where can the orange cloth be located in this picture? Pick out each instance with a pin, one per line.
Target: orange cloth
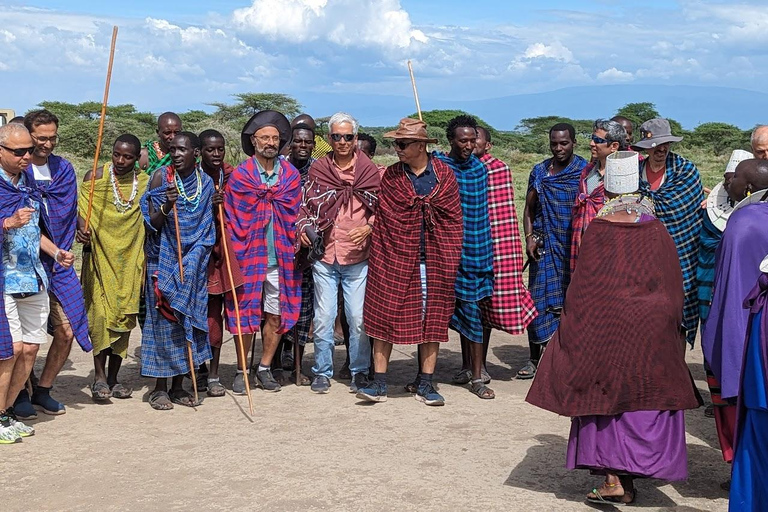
(655, 178)
(338, 246)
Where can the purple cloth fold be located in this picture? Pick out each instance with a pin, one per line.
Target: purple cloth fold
(737, 268)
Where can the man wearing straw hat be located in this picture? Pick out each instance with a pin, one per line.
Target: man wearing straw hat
(57, 181)
(415, 254)
(674, 185)
(178, 213)
(616, 364)
(744, 245)
(262, 202)
(552, 189)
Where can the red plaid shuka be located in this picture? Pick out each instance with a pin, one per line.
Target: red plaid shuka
(393, 301)
(584, 211)
(248, 205)
(511, 308)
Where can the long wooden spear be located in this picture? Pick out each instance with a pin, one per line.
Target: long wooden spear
(101, 127)
(415, 92)
(239, 341)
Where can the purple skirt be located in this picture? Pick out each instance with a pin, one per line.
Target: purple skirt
(640, 443)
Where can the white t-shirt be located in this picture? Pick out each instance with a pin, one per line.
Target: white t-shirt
(41, 172)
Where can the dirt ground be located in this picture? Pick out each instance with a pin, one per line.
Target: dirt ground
(303, 451)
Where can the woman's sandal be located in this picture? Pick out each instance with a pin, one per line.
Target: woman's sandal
(100, 391)
(528, 371)
(479, 388)
(160, 401)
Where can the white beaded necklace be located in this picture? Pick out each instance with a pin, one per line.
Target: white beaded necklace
(121, 205)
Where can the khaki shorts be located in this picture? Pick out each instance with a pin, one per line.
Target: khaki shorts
(27, 318)
(56, 317)
(270, 291)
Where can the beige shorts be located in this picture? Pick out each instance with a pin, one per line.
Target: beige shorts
(28, 318)
(270, 292)
(56, 316)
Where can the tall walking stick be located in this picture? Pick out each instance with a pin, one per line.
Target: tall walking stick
(101, 128)
(415, 92)
(239, 341)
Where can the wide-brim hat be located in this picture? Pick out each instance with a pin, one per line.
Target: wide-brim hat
(737, 156)
(622, 173)
(412, 129)
(655, 132)
(258, 121)
(719, 206)
(761, 196)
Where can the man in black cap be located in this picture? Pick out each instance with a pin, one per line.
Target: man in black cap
(262, 201)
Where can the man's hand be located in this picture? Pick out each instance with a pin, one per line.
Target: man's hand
(532, 248)
(84, 237)
(19, 218)
(171, 194)
(65, 258)
(218, 198)
(304, 240)
(358, 235)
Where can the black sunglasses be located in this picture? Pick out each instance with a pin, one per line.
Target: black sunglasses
(336, 137)
(401, 145)
(19, 152)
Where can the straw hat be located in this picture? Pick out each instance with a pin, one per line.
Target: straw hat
(622, 174)
(411, 129)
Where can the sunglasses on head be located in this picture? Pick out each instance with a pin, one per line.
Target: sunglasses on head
(19, 152)
(336, 137)
(598, 140)
(401, 144)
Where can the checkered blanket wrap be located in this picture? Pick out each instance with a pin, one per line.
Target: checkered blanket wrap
(710, 238)
(549, 277)
(60, 221)
(584, 211)
(678, 207)
(11, 199)
(163, 343)
(393, 295)
(249, 205)
(307, 311)
(511, 308)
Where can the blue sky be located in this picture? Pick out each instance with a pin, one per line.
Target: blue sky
(183, 55)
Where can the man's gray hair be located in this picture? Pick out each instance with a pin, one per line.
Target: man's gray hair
(758, 136)
(343, 117)
(614, 132)
(8, 130)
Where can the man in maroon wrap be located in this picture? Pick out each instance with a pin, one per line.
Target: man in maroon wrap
(415, 256)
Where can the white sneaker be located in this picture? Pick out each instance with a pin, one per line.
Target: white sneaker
(22, 429)
(8, 434)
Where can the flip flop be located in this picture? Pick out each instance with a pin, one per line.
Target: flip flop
(121, 392)
(616, 501)
(100, 391)
(528, 371)
(160, 401)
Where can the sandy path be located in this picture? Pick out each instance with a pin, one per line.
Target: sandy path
(308, 452)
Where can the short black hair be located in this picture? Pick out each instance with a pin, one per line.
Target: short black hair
(462, 121)
(194, 140)
(486, 133)
(369, 139)
(36, 118)
(210, 134)
(128, 138)
(17, 120)
(303, 126)
(564, 127)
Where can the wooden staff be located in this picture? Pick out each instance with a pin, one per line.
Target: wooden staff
(101, 128)
(192, 371)
(415, 92)
(239, 341)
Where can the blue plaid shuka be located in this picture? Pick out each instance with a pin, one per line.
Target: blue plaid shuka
(164, 343)
(705, 272)
(678, 206)
(474, 281)
(548, 278)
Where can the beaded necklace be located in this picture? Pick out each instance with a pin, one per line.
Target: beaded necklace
(121, 204)
(190, 203)
(630, 203)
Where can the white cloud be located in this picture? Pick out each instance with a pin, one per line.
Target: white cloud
(615, 75)
(554, 51)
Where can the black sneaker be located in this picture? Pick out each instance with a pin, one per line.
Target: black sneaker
(267, 382)
(321, 384)
(359, 381)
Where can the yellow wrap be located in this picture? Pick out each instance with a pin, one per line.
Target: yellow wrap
(112, 270)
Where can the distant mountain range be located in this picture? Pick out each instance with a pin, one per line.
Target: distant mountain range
(689, 105)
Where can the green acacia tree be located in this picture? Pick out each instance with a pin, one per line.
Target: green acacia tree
(248, 103)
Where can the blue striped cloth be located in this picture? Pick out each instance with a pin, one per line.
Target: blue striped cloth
(163, 343)
(474, 281)
(678, 207)
(548, 278)
(705, 272)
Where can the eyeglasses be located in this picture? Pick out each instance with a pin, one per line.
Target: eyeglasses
(267, 138)
(401, 144)
(336, 137)
(598, 140)
(43, 140)
(19, 152)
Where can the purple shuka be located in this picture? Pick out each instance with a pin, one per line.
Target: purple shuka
(59, 216)
(737, 268)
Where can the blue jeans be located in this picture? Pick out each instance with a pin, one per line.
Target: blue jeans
(353, 279)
